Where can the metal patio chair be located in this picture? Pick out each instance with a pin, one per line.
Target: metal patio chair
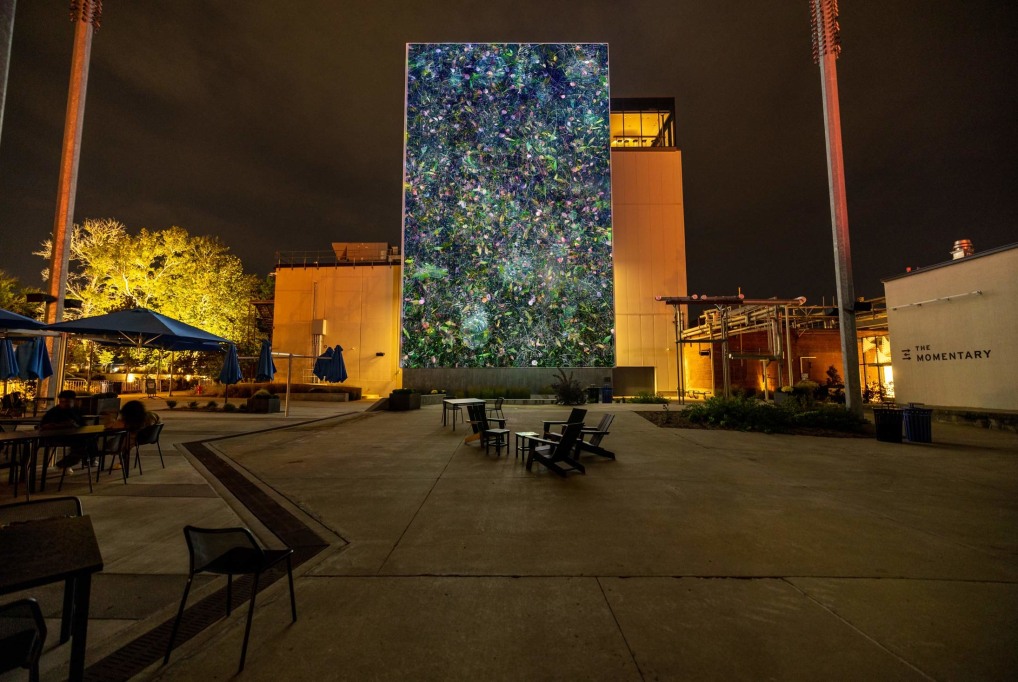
(230, 552)
(22, 636)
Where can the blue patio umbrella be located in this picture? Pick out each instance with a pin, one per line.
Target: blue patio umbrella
(33, 360)
(8, 361)
(266, 368)
(321, 368)
(336, 370)
(9, 320)
(142, 328)
(230, 374)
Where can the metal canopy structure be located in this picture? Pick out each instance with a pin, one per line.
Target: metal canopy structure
(724, 305)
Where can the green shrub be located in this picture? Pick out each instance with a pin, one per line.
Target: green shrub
(171, 404)
(828, 416)
(649, 398)
(193, 404)
(211, 405)
(230, 407)
(744, 414)
(568, 390)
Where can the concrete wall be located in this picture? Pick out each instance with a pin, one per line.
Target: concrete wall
(961, 352)
(650, 258)
(360, 307)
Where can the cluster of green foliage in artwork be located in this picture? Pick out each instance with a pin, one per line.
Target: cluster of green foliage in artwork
(507, 225)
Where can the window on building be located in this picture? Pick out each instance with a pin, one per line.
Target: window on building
(642, 122)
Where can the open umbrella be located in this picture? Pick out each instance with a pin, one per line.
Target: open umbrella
(9, 320)
(321, 368)
(230, 374)
(266, 368)
(8, 361)
(33, 360)
(142, 328)
(336, 371)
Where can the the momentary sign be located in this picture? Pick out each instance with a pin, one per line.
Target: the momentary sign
(507, 207)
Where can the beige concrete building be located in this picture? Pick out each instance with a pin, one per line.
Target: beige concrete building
(955, 331)
(350, 299)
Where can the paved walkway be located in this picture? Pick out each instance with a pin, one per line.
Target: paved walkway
(696, 555)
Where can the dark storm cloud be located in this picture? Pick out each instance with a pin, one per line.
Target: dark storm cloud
(279, 126)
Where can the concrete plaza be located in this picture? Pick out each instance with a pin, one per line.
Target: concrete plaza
(695, 555)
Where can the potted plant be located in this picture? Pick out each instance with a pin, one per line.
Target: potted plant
(263, 401)
(401, 399)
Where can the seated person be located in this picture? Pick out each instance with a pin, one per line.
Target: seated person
(13, 405)
(64, 416)
(133, 418)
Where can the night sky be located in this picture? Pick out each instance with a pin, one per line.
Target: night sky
(279, 126)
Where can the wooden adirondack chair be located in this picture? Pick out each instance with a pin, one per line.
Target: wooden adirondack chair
(481, 423)
(576, 415)
(557, 456)
(590, 439)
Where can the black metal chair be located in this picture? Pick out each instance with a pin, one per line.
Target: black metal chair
(34, 510)
(496, 410)
(114, 445)
(22, 635)
(230, 552)
(148, 436)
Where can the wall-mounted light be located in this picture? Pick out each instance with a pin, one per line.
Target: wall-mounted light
(379, 354)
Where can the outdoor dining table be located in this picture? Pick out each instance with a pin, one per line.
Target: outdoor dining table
(454, 404)
(15, 422)
(37, 553)
(26, 445)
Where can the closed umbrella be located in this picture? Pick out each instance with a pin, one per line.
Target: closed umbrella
(230, 374)
(8, 361)
(321, 368)
(336, 368)
(266, 368)
(33, 360)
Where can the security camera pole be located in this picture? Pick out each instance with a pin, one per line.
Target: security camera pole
(826, 48)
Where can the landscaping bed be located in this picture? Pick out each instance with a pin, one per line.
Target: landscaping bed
(746, 414)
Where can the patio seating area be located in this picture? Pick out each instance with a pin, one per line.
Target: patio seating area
(695, 554)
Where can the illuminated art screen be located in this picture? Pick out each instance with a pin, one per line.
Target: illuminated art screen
(507, 207)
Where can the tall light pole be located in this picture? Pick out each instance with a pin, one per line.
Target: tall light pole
(6, 38)
(826, 48)
(86, 15)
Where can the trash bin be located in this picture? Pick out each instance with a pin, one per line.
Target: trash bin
(888, 421)
(918, 423)
(606, 394)
(593, 394)
(115, 387)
